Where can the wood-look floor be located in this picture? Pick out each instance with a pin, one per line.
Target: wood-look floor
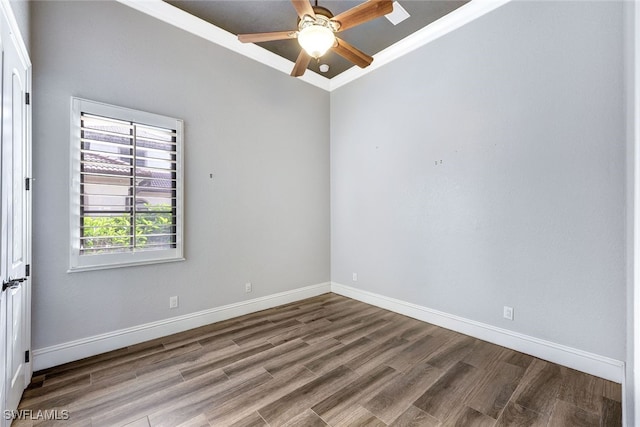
(327, 360)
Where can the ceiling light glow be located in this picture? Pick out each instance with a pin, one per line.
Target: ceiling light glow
(316, 39)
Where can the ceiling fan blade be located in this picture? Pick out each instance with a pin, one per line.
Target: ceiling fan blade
(303, 7)
(265, 37)
(351, 53)
(362, 13)
(301, 64)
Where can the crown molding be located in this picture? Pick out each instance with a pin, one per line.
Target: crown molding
(448, 23)
(199, 27)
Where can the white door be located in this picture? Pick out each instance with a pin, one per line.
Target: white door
(16, 295)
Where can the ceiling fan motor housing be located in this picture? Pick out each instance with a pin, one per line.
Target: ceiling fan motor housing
(319, 10)
(323, 18)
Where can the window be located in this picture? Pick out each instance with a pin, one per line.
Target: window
(126, 192)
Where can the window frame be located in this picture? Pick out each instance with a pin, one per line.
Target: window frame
(85, 262)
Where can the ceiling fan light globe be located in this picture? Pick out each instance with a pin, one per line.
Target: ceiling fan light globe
(316, 40)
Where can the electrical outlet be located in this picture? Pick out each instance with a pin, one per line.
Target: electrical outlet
(247, 287)
(508, 312)
(354, 277)
(173, 302)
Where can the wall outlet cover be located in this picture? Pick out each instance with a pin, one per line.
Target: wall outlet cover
(508, 312)
(173, 302)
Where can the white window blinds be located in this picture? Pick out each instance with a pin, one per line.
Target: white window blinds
(128, 187)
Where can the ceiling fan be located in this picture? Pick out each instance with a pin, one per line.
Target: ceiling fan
(316, 31)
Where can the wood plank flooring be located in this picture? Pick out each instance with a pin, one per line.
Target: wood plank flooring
(327, 360)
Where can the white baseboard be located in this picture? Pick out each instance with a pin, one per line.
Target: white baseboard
(74, 350)
(590, 363)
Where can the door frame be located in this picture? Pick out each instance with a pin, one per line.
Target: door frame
(8, 18)
(631, 384)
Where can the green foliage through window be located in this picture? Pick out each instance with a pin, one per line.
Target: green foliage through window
(153, 228)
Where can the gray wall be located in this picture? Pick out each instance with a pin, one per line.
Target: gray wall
(264, 217)
(525, 109)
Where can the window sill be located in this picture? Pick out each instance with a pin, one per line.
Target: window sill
(83, 268)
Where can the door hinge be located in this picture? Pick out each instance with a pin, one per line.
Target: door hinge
(27, 184)
(27, 270)
(26, 356)
(27, 98)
